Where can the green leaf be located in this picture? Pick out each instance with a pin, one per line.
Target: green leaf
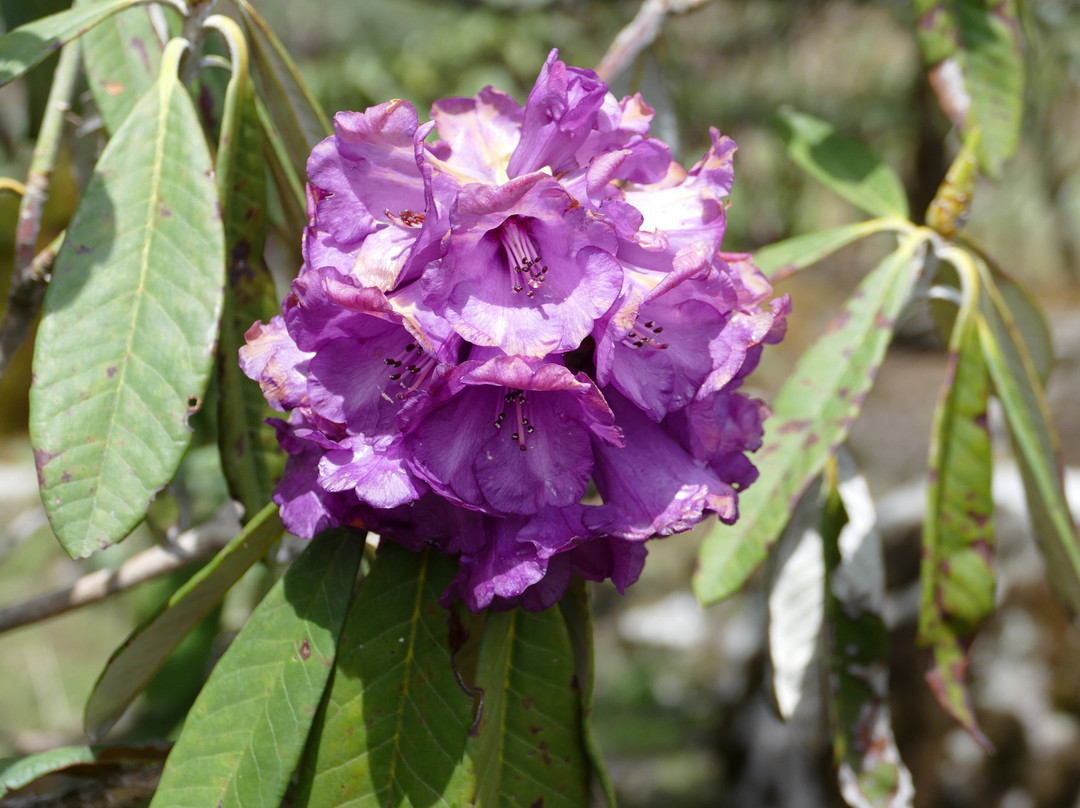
(529, 747)
(577, 613)
(957, 579)
(297, 115)
(994, 72)
(844, 165)
(973, 51)
(251, 457)
(395, 725)
(244, 736)
(121, 57)
(126, 341)
(784, 258)
(134, 663)
(30, 44)
(18, 772)
(812, 415)
(870, 771)
(1016, 384)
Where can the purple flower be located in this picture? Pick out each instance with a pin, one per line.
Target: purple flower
(518, 342)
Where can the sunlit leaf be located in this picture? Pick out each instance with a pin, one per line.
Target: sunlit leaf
(126, 342)
(1016, 384)
(396, 721)
(957, 579)
(784, 258)
(121, 56)
(869, 769)
(250, 455)
(244, 735)
(844, 165)
(812, 415)
(528, 748)
(796, 601)
(134, 663)
(29, 44)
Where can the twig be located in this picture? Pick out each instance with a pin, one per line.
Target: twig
(190, 546)
(27, 281)
(24, 301)
(639, 34)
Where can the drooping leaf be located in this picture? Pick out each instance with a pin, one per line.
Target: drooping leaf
(784, 258)
(1035, 441)
(844, 165)
(29, 44)
(288, 185)
(395, 724)
(869, 769)
(297, 115)
(973, 52)
(251, 458)
(812, 415)
(244, 736)
(121, 57)
(134, 663)
(957, 579)
(528, 748)
(796, 601)
(577, 612)
(18, 772)
(129, 323)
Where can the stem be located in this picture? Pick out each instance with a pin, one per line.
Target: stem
(189, 547)
(639, 34)
(24, 301)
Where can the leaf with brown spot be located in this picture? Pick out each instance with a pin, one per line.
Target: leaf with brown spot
(532, 721)
(121, 57)
(957, 581)
(147, 301)
(1035, 442)
(729, 554)
(244, 735)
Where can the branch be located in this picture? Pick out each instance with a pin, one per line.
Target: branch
(639, 34)
(190, 546)
(31, 268)
(24, 301)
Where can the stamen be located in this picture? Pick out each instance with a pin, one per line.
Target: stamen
(637, 339)
(523, 259)
(518, 400)
(419, 369)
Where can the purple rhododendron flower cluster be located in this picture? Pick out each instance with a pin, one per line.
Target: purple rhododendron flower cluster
(486, 323)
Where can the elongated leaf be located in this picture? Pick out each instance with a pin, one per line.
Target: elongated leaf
(126, 341)
(29, 44)
(869, 767)
(973, 52)
(121, 56)
(785, 258)
(1016, 384)
(812, 415)
(250, 455)
(957, 580)
(17, 772)
(297, 115)
(134, 663)
(577, 612)
(244, 736)
(529, 749)
(844, 165)
(396, 721)
(796, 600)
